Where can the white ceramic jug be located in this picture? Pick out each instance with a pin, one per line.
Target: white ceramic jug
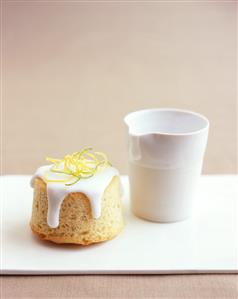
(166, 149)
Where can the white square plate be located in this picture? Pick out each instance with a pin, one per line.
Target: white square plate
(203, 244)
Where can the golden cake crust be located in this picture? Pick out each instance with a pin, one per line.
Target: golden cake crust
(76, 224)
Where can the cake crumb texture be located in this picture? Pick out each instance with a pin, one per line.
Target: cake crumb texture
(76, 224)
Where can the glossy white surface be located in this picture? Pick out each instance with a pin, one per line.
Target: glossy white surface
(207, 242)
(165, 151)
(56, 192)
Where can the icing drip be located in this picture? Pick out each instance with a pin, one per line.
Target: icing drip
(92, 187)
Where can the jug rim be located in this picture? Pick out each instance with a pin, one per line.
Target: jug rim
(190, 112)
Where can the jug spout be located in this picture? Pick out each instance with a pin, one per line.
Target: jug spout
(132, 124)
(134, 150)
(142, 141)
(127, 122)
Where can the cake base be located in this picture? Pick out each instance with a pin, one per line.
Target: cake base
(76, 224)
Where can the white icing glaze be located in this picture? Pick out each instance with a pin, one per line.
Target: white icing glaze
(92, 187)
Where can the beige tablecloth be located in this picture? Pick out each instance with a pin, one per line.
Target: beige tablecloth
(217, 286)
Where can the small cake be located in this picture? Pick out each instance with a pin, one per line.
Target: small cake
(77, 199)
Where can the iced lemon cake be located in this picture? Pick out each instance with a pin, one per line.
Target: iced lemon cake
(77, 199)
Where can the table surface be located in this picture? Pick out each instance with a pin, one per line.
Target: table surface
(203, 286)
(121, 286)
(204, 243)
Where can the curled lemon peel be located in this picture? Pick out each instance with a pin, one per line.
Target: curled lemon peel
(79, 165)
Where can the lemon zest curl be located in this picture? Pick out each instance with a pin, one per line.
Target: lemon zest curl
(79, 165)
